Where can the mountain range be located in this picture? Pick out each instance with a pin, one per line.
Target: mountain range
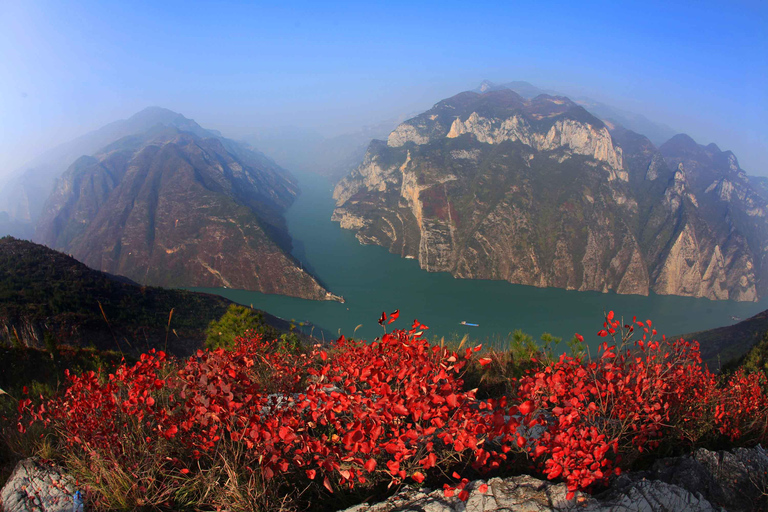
(23, 194)
(539, 191)
(175, 205)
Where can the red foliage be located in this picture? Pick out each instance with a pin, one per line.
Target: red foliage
(396, 408)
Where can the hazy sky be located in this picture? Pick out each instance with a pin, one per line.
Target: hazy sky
(69, 67)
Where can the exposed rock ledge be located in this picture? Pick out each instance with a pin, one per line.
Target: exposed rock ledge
(735, 481)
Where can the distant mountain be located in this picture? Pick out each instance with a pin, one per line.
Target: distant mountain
(47, 293)
(656, 132)
(178, 206)
(23, 195)
(307, 150)
(540, 192)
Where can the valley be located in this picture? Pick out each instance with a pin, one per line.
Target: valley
(373, 280)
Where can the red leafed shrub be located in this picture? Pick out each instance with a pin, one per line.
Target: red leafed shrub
(742, 407)
(628, 400)
(362, 414)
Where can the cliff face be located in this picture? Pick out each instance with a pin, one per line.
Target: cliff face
(171, 208)
(539, 192)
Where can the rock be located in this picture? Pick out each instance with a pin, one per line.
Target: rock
(528, 494)
(736, 480)
(705, 481)
(38, 485)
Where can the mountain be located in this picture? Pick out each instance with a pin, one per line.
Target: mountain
(727, 344)
(44, 293)
(308, 150)
(540, 192)
(23, 195)
(178, 206)
(656, 132)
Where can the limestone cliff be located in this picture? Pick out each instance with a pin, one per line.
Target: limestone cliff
(539, 192)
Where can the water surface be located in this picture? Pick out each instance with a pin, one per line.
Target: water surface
(373, 280)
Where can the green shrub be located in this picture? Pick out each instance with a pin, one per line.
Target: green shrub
(238, 320)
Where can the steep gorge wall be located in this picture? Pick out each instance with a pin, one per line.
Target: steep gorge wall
(544, 198)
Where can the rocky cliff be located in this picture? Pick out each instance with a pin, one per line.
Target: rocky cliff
(540, 192)
(177, 207)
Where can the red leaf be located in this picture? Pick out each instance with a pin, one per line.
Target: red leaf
(484, 361)
(394, 316)
(370, 465)
(464, 495)
(483, 488)
(418, 476)
(383, 318)
(610, 316)
(525, 407)
(399, 409)
(579, 337)
(327, 484)
(311, 473)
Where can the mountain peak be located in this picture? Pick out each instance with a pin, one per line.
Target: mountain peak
(681, 141)
(485, 86)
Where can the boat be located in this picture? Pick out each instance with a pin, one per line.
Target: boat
(464, 322)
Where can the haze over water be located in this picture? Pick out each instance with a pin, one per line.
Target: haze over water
(373, 280)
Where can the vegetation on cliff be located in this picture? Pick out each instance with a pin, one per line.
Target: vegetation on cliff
(48, 297)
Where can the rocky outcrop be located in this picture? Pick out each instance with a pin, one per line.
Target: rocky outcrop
(525, 493)
(39, 486)
(539, 192)
(705, 481)
(582, 139)
(172, 208)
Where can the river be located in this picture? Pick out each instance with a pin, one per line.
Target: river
(373, 280)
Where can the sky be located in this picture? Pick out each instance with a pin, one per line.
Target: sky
(241, 67)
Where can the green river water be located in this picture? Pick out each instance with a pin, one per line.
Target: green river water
(372, 280)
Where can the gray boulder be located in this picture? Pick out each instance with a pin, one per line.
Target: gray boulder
(38, 486)
(737, 480)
